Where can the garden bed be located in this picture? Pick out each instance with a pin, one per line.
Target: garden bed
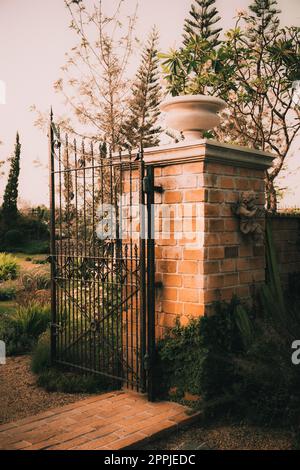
(20, 395)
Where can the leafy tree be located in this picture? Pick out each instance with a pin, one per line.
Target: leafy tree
(10, 198)
(96, 71)
(258, 86)
(252, 69)
(141, 125)
(190, 70)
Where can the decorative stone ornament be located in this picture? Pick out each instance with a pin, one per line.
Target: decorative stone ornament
(248, 212)
(192, 114)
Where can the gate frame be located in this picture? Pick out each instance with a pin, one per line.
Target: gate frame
(146, 259)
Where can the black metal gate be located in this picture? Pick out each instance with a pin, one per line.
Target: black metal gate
(102, 261)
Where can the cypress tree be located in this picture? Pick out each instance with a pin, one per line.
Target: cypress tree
(10, 198)
(204, 16)
(141, 124)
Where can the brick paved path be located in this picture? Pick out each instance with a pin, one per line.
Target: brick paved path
(112, 421)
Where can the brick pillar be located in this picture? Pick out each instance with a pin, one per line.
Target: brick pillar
(201, 255)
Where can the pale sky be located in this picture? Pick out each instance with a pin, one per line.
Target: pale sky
(34, 37)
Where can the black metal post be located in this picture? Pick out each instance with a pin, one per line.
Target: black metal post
(143, 320)
(150, 281)
(52, 239)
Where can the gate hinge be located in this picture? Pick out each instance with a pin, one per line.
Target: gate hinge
(55, 327)
(146, 362)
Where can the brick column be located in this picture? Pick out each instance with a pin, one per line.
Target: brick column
(201, 255)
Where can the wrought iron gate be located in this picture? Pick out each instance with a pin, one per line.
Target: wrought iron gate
(102, 261)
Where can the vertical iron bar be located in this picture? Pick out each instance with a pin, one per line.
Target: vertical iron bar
(52, 240)
(68, 177)
(94, 345)
(129, 318)
(119, 286)
(60, 286)
(150, 281)
(142, 274)
(126, 313)
(86, 260)
(76, 332)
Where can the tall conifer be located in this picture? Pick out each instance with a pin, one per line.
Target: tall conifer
(10, 198)
(141, 125)
(201, 24)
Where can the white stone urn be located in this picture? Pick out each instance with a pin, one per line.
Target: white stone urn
(192, 114)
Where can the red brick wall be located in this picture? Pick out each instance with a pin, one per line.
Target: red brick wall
(286, 236)
(202, 256)
(232, 260)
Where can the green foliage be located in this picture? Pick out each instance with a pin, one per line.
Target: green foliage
(41, 357)
(9, 267)
(269, 382)
(54, 380)
(266, 11)
(36, 247)
(33, 228)
(58, 380)
(24, 234)
(203, 17)
(35, 280)
(40, 261)
(180, 358)
(192, 68)
(141, 124)
(13, 237)
(10, 198)
(197, 358)
(7, 292)
(252, 69)
(21, 329)
(240, 361)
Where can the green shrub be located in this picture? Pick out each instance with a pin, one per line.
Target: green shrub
(180, 357)
(36, 247)
(33, 228)
(240, 360)
(7, 292)
(14, 238)
(41, 359)
(269, 393)
(35, 280)
(53, 379)
(197, 358)
(40, 261)
(23, 327)
(9, 267)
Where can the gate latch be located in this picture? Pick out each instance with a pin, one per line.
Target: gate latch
(147, 188)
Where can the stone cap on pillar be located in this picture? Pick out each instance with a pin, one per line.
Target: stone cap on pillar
(205, 150)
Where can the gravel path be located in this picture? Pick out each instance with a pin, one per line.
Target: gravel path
(225, 437)
(19, 394)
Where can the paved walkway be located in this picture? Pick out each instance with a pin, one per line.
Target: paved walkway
(112, 421)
